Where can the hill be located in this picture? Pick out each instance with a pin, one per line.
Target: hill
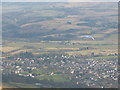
(58, 21)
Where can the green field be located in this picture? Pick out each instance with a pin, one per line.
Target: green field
(18, 85)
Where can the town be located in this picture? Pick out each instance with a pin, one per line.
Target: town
(90, 71)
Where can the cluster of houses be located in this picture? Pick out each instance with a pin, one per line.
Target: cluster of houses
(92, 72)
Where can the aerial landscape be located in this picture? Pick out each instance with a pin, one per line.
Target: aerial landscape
(59, 45)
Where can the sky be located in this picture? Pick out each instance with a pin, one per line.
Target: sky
(60, 0)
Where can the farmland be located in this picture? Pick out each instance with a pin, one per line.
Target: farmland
(68, 47)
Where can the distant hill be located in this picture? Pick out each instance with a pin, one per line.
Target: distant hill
(58, 21)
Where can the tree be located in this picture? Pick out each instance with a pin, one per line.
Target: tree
(92, 54)
(69, 23)
(26, 55)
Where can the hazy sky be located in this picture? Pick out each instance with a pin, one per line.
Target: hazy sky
(60, 0)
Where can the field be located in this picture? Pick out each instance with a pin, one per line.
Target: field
(106, 46)
(69, 47)
(18, 85)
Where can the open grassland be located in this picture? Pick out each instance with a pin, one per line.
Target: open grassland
(55, 77)
(103, 47)
(44, 13)
(17, 85)
(106, 57)
(62, 48)
(8, 49)
(110, 31)
(112, 38)
(96, 52)
(24, 50)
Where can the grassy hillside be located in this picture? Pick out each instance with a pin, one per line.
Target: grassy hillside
(58, 21)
